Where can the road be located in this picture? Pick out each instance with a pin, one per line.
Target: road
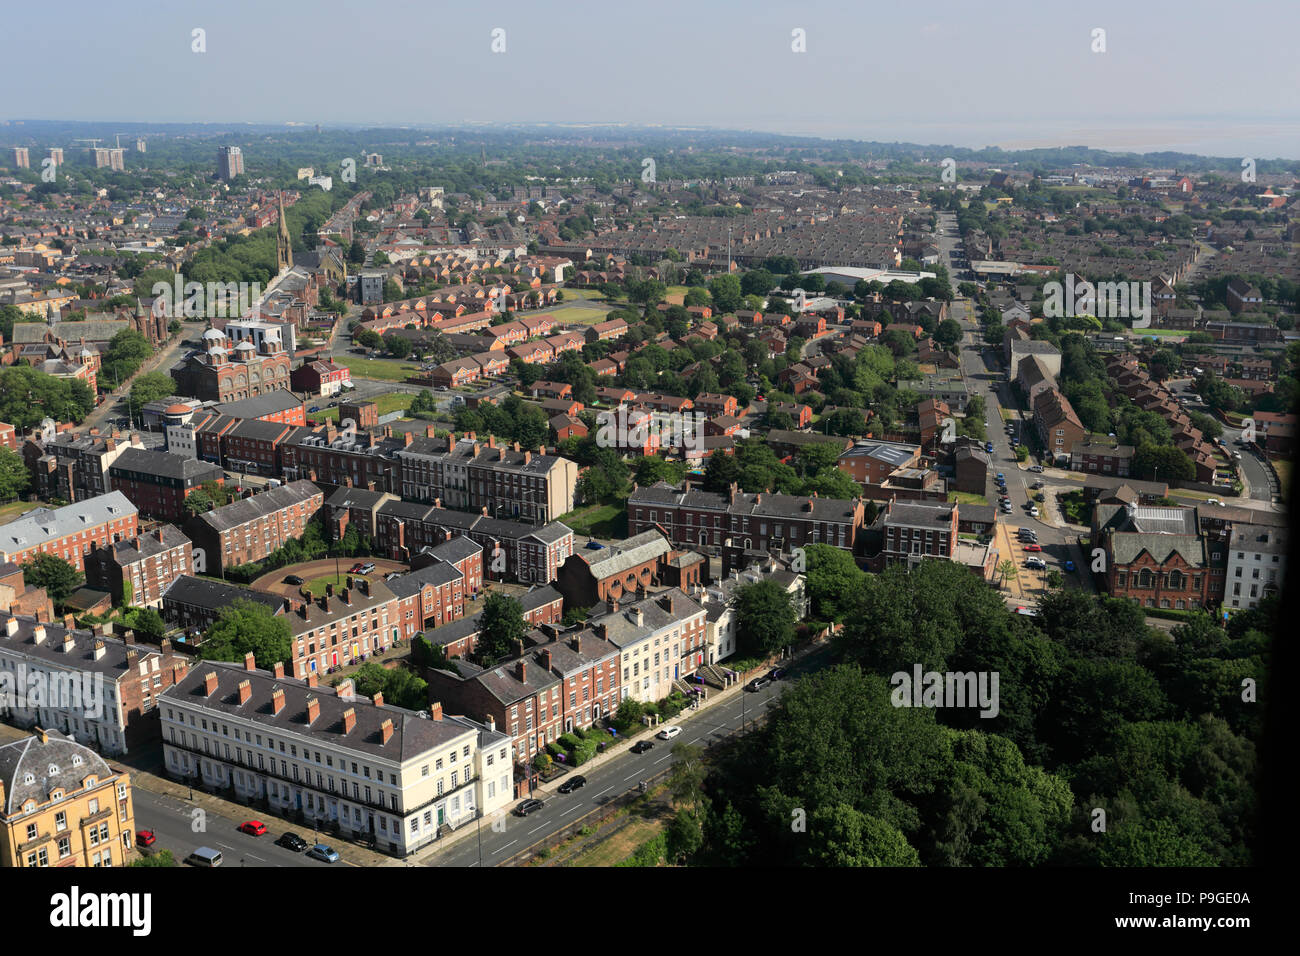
(1257, 476)
(982, 368)
(114, 407)
(174, 824)
(614, 778)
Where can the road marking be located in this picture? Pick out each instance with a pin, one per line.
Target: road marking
(542, 827)
(630, 776)
(251, 857)
(507, 846)
(603, 792)
(663, 758)
(570, 810)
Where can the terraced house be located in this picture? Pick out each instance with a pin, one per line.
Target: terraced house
(70, 532)
(250, 529)
(399, 777)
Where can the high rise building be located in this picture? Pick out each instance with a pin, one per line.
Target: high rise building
(230, 162)
(117, 158)
(56, 154)
(20, 157)
(98, 156)
(140, 145)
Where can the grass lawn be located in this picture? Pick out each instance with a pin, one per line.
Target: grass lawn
(317, 585)
(966, 498)
(1008, 414)
(599, 520)
(588, 314)
(386, 370)
(1162, 333)
(16, 509)
(392, 402)
(571, 294)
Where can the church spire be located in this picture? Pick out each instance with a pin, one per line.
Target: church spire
(283, 245)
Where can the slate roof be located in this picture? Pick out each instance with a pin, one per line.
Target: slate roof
(162, 464)
(264, 503)
(44, 524)
(216, 595)
(29, 755)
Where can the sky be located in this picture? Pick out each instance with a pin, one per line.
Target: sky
(1193, 76)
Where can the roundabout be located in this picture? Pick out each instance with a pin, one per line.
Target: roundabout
(315, 574)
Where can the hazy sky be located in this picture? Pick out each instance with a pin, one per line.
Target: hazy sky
(1220, 78)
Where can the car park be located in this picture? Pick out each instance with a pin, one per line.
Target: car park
(641, 746)
(668, 733)
(527, 807)
(324, 853)
(291, 841)
(573, 783)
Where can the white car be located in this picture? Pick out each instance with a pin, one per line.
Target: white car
(1033, 512)
(1036, 563)
(668, 733)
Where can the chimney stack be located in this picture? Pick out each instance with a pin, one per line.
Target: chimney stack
(349, 720)
(245, 691)
(312, 679)
(521, 671)
(346, 687)
(279, 669)
(100, 649)
(38, 634)
(210, 683)
(277, 700)
(386, 731)
(250, 663)
(435, 710)
(313, 709)
(379, 699)
(546, 660)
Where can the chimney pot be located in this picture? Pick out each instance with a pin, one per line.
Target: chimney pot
(250, 662)
(379, 699)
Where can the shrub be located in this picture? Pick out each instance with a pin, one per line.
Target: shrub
(569, 741)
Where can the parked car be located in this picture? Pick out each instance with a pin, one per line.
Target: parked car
(641, 746)
(527, 807)
(1038, 484)
(594, 545)
(572, 784)
(356, 568)
(668, 733)
(204, 856)
(145, 838)
(1036, 563)
(368, 567)
(777, 673)
(291, 841)
(324, 853)
(253, 827)
(988, 447)
(1069, 565)
(294, 580)
(1000, 477)
(758, 683)
(1037, 469)
(1033, 547)
(1033, 511)
(314, 408)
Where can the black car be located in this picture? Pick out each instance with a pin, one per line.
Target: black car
(572, 784)
(777, 673)
(295, 580)
(527, 807)
(291, 841)
(641, 746)
(758, 683)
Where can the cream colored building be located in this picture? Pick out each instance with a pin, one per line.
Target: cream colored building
(660, 639)
(334, 756)
(61, 804)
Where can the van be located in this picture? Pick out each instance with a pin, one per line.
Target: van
(204, 856)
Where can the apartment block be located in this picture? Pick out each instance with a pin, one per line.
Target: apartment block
(250, 529)
(143, 567)
(70, 532)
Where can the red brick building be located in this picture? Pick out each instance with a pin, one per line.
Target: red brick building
(148, 563)
(157, 482)
(250, 529)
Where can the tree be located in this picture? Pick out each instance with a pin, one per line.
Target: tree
(150, 387)
(399, 685)
(765, 619)
(843, 836)
(501, 629)
(396, 345)
(198, 502)
(58, 577)
(246, 626)
(1007, 570)
(948, 334)
(14, 477)
(726, 293)
(149, 624)
(28, 395)
(833, 581)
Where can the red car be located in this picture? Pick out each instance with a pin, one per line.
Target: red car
(1033, 547)
(356, 568)
(253, 827)
(145, 838)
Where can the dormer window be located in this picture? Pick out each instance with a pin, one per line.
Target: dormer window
(52, 770)
(29, 778)
(76, 760)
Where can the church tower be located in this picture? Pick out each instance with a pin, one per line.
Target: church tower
(283, 246)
